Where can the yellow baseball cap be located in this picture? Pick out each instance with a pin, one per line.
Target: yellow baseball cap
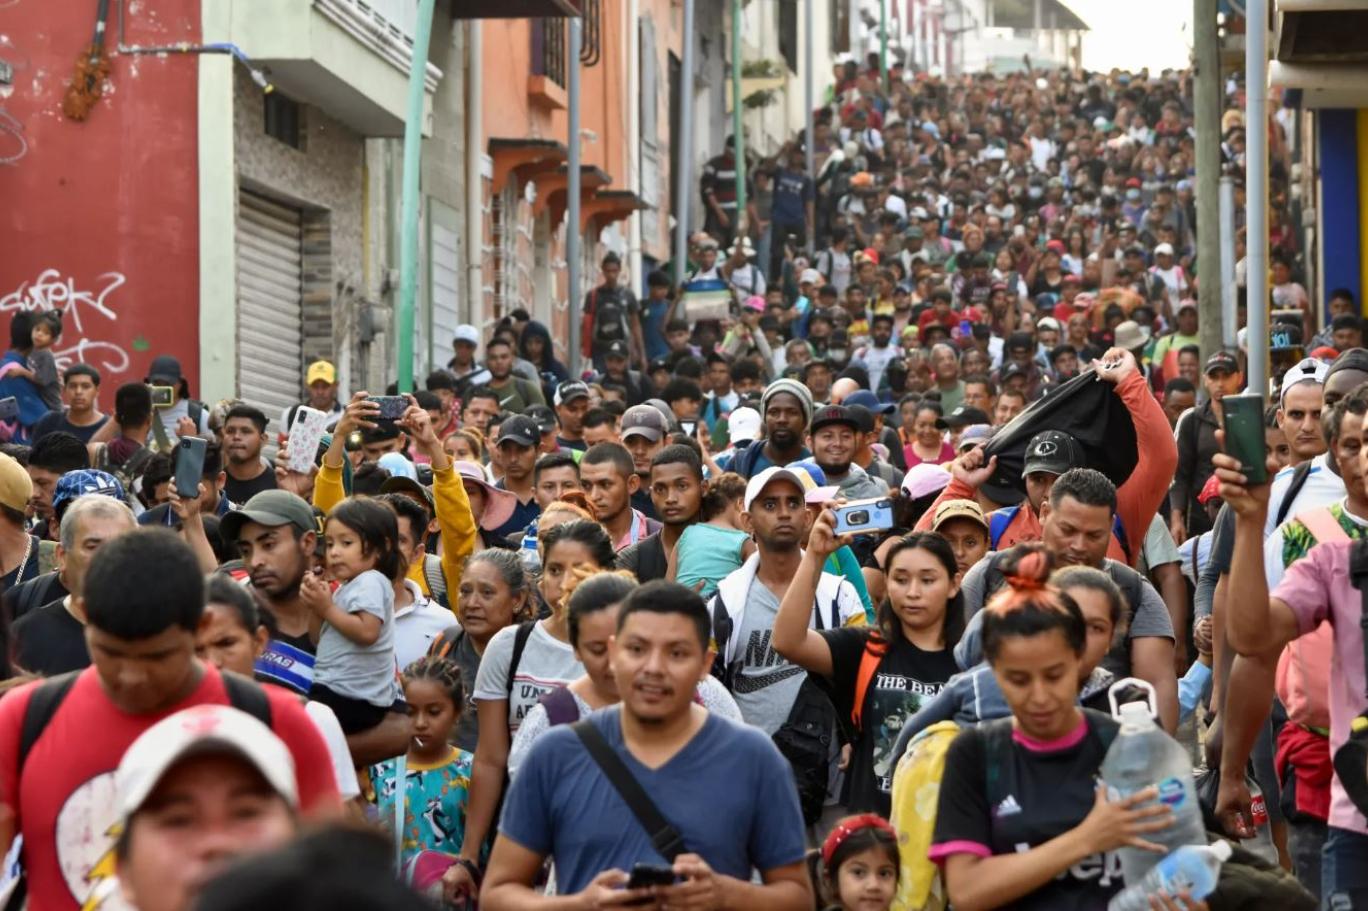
(958, 509)
(320, 371)
(15, 485)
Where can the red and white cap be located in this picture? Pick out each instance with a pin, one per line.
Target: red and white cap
(202, 730)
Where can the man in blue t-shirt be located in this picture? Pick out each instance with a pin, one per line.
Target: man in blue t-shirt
(723, 787)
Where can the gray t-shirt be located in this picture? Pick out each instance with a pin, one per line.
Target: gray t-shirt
(545, 664)
(1148, 619)
(362, 672)
(766, 684)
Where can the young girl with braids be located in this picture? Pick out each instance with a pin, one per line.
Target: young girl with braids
(438, 774)
(1022, 820)
(880, 675)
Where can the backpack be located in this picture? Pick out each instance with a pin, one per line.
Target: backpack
(609, 316)
(519, 645)
(128, 471)
(1000, 519)
(436, 580)
(805, 738)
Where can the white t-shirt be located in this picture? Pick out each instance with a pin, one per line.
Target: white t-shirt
(416, 625)
(1322, 488)
(546, 663)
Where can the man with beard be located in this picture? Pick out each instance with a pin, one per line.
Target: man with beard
(677, 491)
(1076, 522)
(244, 433)
(516, 394)
(276, 533)
(786, 406)
(880, 352)
(835, 432)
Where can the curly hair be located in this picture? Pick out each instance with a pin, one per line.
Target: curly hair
(720, 491)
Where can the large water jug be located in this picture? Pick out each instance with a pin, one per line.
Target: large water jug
(1191, 869)
(1143, 756)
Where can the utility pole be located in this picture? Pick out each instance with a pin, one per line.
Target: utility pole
(1230, 294)
(1256, 181)
(409, 202)
(810, 102)
(738, 127)
(1207, 119)
(572, 189)
(685, 158)
(883, 44)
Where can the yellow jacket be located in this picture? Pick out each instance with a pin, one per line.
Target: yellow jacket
(454, 520)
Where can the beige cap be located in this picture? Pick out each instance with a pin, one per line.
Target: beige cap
(16, 487)
(958, 509)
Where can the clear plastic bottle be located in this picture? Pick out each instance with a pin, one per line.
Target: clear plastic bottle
(1193, 869)
(1143, 756)
(531, 559)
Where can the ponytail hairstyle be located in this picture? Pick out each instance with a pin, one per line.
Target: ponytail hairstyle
(952, 626)
(1028, 605)
(720, 491)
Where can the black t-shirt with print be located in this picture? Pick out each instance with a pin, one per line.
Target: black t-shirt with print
(1038, 791)
(242, 491)
(906, 678)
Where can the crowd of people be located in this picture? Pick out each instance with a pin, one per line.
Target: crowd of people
(613, 638)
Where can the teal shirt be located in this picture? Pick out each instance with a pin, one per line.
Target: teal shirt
(435, 802)
(843, 564)
(708, 554)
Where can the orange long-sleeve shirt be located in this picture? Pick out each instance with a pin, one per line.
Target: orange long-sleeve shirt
(1137, 500)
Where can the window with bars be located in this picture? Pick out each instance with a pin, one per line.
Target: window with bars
(504, 218)
(548, 49)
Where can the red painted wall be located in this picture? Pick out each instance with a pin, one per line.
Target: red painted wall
(100, 217)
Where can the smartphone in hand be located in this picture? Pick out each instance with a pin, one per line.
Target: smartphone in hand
(1244, 434)
(189, 467)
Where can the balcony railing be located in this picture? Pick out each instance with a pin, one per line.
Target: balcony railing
(548, 50)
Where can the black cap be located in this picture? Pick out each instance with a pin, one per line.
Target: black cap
(1221, 360)
(963, 416)
(1010, 370)
(165, 367)
(864, 418)
(834, 414)
(1349, 359)
(543, 415)
(616, 349)
(520, 429)
(1053, 452)
(569, 391)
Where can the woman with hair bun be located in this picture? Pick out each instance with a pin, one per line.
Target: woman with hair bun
(1022, 821)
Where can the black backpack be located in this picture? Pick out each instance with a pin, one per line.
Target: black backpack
(610, 316)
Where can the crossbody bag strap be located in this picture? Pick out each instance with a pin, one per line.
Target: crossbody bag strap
(1358, 574)
(664, 837)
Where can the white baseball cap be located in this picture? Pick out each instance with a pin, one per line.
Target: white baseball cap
(809, 276)
(756, 485)
(202, 730)
(466, 333)
(1307, 370)
(743, 425)
(1164, 250)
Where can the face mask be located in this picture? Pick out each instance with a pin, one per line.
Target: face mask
(1035, 192)
(1133, 195)
(836, 354)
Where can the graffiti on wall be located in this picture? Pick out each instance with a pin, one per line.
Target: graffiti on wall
(88, 318)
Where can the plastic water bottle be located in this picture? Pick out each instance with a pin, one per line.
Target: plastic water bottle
(531, 560)
(1143, 756)
(1192, 869)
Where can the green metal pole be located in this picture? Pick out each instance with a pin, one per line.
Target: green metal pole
(408, 206)
(739, 143)
(883, 44)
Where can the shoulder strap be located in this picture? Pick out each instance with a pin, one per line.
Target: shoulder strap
(870, 659)
(46, 698)
(664, 836)
(435, 578)
(47, 557)
(998, 522)
(1119, 530)
(194, 410)
(560, 706)
(1299, 476)
(1129, 581)
(519, 643)
(248, 696)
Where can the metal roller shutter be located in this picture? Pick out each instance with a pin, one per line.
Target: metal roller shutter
(270, 326)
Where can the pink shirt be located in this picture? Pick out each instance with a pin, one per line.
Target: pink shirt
(1317, 588)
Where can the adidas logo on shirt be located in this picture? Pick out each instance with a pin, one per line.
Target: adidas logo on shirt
(1008, 807)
